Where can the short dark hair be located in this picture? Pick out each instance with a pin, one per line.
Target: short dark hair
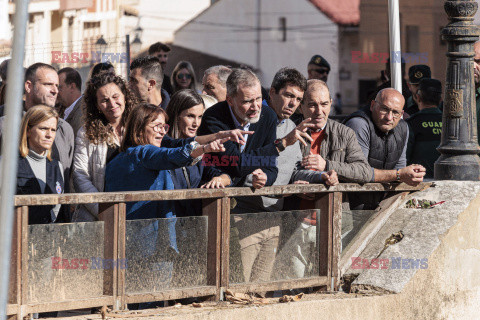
(289, 76)
(99, 67)
(181, 100)
(151, 68)
(3, 69)
(71, 76)
(137, 121)
(31, 72)
(157, 47)
(430, 91)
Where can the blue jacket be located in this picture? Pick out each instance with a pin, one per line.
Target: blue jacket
(197, 175)
(146, 168)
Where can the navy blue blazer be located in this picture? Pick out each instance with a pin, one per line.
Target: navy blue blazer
(259, 152)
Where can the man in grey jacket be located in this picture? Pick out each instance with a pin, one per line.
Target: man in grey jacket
(41, 87)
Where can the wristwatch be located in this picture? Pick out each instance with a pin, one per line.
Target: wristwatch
(279, 145)
(195, 145)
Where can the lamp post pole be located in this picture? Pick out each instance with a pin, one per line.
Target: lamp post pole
(459, 146)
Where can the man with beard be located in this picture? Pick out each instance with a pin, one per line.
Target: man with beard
(146, 76)
(41, 87)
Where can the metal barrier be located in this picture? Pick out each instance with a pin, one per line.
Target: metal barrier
(216, 206)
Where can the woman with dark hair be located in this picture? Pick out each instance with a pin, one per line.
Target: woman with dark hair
(143, 165)
(107, 104)
(185, 112)
(102, 67)
(183, 76)
(37, 172)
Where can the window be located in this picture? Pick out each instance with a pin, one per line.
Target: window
(413, 39)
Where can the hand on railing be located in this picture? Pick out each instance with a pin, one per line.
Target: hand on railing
(330, 178)
(217, 182)
(412, 175)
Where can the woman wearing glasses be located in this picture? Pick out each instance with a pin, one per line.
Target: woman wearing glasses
(143, 165)
(107, 103)
(183, 76)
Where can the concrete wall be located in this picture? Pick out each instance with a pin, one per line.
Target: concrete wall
(228, 30)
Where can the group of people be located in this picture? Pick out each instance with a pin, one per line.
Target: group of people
(157, 133)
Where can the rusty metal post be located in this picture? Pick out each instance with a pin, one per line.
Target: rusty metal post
(459, 147)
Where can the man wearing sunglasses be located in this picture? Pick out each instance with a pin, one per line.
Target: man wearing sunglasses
(383, 135)
(318, 68)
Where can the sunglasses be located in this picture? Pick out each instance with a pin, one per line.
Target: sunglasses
(321, 71)
(186, 76)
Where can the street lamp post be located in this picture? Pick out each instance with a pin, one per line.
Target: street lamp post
(136, 44)
(459, 147)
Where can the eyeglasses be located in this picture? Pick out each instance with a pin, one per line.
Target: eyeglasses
(383, 110)
(160, 126)
(321, 71)
(186, 76)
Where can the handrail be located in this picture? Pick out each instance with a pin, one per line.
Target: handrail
(111, 197)
(216, 206)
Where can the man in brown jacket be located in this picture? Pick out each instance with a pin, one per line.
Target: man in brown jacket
(334, 146)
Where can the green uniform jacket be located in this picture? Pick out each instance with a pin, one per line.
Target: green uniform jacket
(425, 128)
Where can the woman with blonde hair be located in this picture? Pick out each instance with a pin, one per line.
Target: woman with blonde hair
(183, 76)
(107, 104)
(37, 172)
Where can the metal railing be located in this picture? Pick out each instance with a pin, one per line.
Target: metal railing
(216, 206)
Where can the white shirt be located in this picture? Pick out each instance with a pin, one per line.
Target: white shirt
(69, 109)
(239, 126)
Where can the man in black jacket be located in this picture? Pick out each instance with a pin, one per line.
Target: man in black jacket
(243, 110)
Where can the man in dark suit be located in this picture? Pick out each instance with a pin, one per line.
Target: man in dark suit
(70, 97)
(243, 110)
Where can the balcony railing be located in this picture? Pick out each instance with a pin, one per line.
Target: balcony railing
(47, 271)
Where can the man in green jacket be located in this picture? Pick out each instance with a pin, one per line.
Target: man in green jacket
(425, 126)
